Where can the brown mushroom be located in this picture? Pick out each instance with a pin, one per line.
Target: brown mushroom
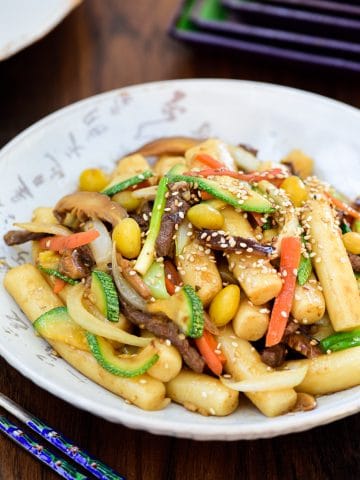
(167, 146)
(85, 205)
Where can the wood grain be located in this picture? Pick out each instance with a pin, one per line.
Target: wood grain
(106, 44)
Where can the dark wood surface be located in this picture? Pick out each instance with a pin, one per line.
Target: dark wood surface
(106, 44)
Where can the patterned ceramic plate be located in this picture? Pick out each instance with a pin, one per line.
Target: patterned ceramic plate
(43, 163)
(23, 22)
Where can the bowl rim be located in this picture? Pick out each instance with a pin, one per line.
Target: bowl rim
(261, 429)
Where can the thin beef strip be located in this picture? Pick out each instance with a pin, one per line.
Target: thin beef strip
(76, 263)
(274, 356)
(303, 344)
(296, 338)
(220, 240)
(163, 328)
(177, 204)
(143, 216)
(355, 262)
(17, 237)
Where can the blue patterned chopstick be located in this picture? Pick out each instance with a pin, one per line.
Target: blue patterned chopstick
(90, 464)
(60, 466)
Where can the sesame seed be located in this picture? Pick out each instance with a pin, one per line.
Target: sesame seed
(264, 310)
(212, 411)
(284, 314)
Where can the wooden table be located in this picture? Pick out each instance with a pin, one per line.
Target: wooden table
(106, 44)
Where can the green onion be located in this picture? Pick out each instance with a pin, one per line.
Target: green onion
(305, 268)
(147, 254)
(341, 341)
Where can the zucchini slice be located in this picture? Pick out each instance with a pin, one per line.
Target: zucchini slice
(57, 274)
(116, 186)
(185, 309)
(155, 280)
(57, 325)
(104, 293)
(125, 365)
(219, 189)
(98, 326)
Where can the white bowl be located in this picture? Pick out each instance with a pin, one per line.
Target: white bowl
(43, 163)
(23, 22)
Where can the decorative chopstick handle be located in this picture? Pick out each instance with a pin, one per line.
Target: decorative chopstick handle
(90, 464)
(59, 465)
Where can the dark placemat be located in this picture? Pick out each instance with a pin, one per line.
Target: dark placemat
(184, 29)
(326, 6)
(211, 15)
(313, 23)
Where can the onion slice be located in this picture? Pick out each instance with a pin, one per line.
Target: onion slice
(277, 380)
(124, 288)
(146, 193)
(92, 324)
(101, 246)
(50, 228)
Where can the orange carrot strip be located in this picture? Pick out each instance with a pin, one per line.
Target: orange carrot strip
(289, 262)
(59, 284)
(213, 345)
(205, 346)
(343, 206)
(206, 196)
(247, 177)
(62, 242)
(208, 160)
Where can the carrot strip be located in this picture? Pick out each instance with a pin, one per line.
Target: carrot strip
(62, 242)
(207, 346)
(289, 262)
(59, 284)
(343, 206)
(214, 346)
(270, 175)
(208, 160)
(206, 196)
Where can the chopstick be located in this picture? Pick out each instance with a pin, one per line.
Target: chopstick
(92, 465)
(60, 466)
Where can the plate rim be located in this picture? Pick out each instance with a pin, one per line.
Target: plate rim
(236, 431)
(12, 48)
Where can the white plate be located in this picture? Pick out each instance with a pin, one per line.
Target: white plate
(23, 22)
(43, 163)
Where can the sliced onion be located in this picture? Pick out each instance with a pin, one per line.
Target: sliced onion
(125, 289)
(244, 159)
(101, 246)
(182, 238)
(147, 193)
(92, 324)
(277, 380)
(50, 228)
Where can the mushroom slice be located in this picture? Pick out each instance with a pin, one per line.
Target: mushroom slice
(85, 205)
(167, 146)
